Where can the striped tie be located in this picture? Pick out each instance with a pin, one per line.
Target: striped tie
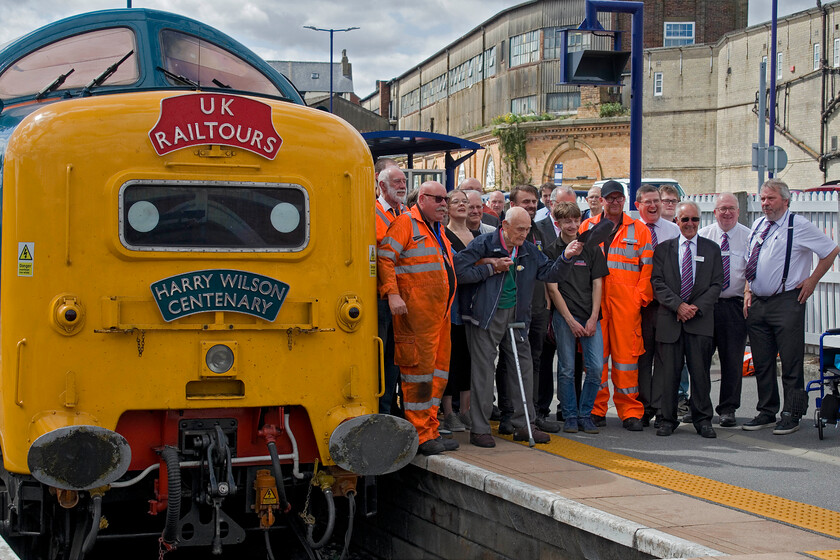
(752, 264)
(724, 248)
(687, 280)
(654, 240)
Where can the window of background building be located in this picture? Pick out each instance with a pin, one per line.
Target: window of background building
(462, 175)
(779, 59)
(562, 102)
(489, 174)
(678, 33)
(523, 105)
(552, 43)
(836, 53)
(657, 83)
(816, 56)
(524, 48)
(410, 102)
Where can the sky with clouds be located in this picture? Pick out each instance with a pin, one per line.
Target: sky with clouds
(394, 35)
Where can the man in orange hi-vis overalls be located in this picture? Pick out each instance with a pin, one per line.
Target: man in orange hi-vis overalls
(627, 289)
(416, 275)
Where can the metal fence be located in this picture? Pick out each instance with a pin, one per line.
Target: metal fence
(823, 210)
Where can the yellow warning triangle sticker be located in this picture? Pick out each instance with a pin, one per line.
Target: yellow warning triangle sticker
(269, 497)
(25, 255)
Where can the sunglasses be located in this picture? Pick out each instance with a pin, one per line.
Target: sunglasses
(694, 219)
(438, 199)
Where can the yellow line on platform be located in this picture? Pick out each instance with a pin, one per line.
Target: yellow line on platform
(825, 554)
(806, 516)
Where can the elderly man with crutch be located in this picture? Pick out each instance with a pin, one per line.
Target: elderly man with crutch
(497, 272)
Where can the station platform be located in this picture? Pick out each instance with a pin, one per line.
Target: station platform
(655, 510)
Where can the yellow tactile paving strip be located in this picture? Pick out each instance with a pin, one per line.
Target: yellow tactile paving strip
(825, 554)
(794, 513)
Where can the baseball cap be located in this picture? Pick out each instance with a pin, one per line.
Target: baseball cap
(611, 187)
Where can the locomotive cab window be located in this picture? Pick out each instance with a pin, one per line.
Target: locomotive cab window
(207, 65)
(223, 217)
(78, 59)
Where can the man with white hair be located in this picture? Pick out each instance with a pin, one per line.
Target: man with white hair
(781, 251)
(730, 325)
(687, 276)
(389, 205)
(497, 272)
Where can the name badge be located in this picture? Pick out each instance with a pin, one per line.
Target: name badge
(699, 258)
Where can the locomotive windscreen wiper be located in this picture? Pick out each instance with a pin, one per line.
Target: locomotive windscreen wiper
(54, 85)
(220, 84)
(98, 81)
(177, 78)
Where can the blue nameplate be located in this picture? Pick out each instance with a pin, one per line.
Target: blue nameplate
(201, 291)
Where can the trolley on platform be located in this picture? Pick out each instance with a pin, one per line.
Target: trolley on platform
(828, 401)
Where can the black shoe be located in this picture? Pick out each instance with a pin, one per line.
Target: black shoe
(763, 420)
(686, 419)
(448, 443)
(482, 440)
(506, 427)
(727, 420)
(547, 425)
(496, 414)
(431, 447)
(646, 419)
(521, 434)
(632, 424)
(657, 422)
(599, 421)
(665, 429)
(787, 425)
(706, 431)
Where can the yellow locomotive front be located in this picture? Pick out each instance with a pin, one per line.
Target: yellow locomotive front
(188, 281)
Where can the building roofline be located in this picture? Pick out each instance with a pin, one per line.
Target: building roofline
(483, 24)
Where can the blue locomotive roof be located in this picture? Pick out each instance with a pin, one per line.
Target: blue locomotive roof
(161, 51)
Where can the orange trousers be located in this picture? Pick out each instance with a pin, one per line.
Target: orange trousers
(423, 356)
(622, 332)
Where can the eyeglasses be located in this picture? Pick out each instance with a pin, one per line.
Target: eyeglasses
(438, 199)
(685, 219)
(669, 201)
(649, 202)
(727, 209)
(613, 200)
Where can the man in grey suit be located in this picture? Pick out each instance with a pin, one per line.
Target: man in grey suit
(546, 225)
(687, 278)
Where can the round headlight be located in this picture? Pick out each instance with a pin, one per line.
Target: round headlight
(219, 358)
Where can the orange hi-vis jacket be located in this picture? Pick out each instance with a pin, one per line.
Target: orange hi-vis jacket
(411, 264)
(384, 219)
(626, 290)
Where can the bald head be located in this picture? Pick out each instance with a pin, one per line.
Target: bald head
(516, 225)
(471, 184)
(432, 201)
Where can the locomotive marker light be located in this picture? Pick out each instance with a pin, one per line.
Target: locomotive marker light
(220, 359)
(212, 118)
(237, 291)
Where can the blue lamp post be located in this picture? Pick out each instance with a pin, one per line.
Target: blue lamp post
(331, 32)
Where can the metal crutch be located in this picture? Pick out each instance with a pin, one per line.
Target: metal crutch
(511, 326)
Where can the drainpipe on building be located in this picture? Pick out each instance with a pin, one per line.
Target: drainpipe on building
(823, 117)
(774, 63)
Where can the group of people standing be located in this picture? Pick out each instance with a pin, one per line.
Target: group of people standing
(473, 296)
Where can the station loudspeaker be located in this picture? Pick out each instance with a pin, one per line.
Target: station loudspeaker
(596, 67)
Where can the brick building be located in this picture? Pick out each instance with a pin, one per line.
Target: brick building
(701, 111)
(510, 64)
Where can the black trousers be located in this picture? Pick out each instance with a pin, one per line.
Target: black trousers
(776, 325)
(730, 341)
(697, 351)
(648, 389)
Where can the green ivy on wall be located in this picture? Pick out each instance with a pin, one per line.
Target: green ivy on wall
(512, 145)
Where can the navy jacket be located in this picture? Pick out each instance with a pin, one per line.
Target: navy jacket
(479, 289)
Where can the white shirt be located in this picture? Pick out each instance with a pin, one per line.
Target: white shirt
(665, 230)
(739, 239)
(541, 213)
(693, 247)
(384, 203)
(807, 240)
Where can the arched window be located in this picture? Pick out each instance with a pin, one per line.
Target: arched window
(489, 174)
(462, 174)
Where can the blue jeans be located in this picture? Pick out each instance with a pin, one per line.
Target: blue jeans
(593, 361)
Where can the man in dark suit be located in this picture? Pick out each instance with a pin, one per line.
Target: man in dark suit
(687, 278)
